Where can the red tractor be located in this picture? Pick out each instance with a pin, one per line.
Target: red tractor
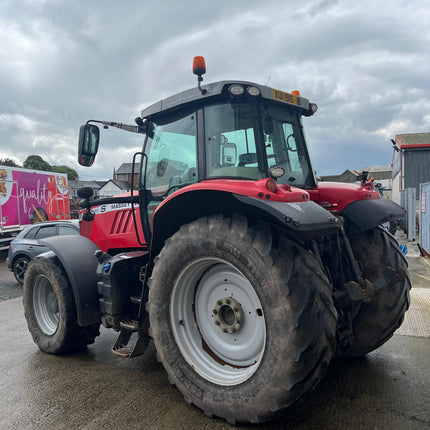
(248, 275)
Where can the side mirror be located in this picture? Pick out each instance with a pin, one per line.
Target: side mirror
(228, 154)
(88, 145)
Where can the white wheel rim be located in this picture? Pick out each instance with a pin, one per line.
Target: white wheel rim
(228, 353)
(45, 305)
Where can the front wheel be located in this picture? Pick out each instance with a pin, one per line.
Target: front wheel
(242, 319)
(50, 309)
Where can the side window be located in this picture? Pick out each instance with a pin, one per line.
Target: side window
(65, 230)
(172, 156)
(45, 231)
(31, 233)
(285, 147)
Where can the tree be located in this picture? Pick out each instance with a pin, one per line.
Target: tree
(71, 173)
(8, 162)
(36, 162)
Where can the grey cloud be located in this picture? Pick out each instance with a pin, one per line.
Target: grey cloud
(365, 64)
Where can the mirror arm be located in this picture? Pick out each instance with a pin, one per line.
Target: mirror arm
(126, 127)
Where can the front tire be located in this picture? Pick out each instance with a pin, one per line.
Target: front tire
(377, 320)
(50, 309)
(242, 319)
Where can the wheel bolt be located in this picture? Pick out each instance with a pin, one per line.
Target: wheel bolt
(217, 322)
(215, 311)
(228, 301)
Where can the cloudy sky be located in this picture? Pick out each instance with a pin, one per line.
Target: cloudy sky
(365, 63)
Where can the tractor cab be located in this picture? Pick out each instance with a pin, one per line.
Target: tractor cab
(237, 134)
(224, 136)
(223, 130)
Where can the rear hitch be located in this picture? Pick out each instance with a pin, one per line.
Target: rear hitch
(363, 290)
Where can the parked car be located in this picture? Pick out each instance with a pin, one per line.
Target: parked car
(27, 246)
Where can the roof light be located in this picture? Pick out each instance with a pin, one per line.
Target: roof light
(236, 90)
(253, 91)
(199, 66)
(295, 92)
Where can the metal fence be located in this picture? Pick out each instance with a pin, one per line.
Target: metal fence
(408, 202)
(424, 215)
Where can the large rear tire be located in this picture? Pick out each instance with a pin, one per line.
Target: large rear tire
(50, 309)
(242, 319)
(378, 319)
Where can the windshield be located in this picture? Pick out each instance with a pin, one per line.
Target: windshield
(236, 147)
(172, 156)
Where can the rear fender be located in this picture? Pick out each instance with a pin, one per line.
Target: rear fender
(303, 221)
(363, 215)
(76, 254)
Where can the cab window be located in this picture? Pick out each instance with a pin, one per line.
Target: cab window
(172, 155)
(230, 140)
(285, 146)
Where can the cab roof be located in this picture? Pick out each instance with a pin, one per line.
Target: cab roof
(217, 89)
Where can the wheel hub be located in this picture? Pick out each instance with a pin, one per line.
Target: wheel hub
(228, 315)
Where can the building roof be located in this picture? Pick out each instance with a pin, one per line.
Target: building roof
(74, 184)
(126, 168)
(122, 185)
(347, 176)
(413, 139)
(379, 172)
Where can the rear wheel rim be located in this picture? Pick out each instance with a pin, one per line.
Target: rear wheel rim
(217, 321)
(20, 268)
(45, 305)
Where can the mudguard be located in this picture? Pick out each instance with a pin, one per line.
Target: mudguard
(76, 254)
(365, 214)
(307, 220)
(304, 220)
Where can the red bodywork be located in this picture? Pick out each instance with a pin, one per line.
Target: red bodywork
(335, 196)
(113, 226)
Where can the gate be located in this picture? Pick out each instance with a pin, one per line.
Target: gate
(424, 212)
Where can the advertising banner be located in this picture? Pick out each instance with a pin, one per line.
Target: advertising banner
(28, 196)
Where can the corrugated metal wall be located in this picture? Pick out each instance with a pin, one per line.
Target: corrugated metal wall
(416, 169)
(425, 217)
(409, 205)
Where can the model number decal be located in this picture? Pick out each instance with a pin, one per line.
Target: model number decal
(113, 207)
